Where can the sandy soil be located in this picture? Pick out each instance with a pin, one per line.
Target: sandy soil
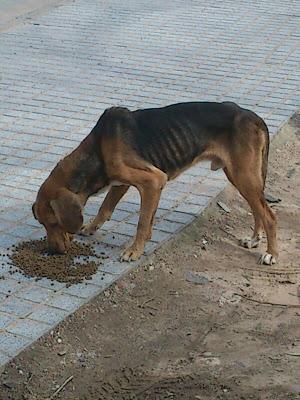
(155, 335)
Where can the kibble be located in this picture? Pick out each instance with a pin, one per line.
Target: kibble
(33, 260)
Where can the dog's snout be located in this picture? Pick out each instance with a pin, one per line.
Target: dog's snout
(59, 245)
(56, 248)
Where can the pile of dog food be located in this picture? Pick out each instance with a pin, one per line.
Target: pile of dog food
(32, 259)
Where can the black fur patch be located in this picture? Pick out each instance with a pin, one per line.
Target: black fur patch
(172, 137)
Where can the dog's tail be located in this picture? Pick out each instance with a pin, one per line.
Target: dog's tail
(265, 152)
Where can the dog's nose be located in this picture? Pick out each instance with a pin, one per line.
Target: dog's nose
(57, 247)
(56, 250)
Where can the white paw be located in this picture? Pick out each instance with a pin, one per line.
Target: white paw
(250, 243)
(267, 259)
(88, 230)
(132, 253)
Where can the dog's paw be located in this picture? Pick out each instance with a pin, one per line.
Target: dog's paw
(88, 230)
(267, 259)
(250, 243)
(132, 253)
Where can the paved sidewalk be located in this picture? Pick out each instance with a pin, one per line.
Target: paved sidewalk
(18, 11)
(61, 70)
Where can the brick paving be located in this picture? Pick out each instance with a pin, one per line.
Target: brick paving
(58, 73)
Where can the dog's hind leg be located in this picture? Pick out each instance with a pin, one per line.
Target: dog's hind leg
(105, 211)
(254, 240)
(250, 185)
(262, 212)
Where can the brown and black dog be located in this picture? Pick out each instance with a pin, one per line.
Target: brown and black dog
(145, 149)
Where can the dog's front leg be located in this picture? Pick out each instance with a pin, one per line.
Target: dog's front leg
(107, 208)
(150, 186)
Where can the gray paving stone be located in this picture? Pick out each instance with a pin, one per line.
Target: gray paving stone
(215, 181)
(33, 222)
(107, 226)
(206, 189)
(180, 217)
(189, 178)
(119, 215)
(14, 214)
(124, 228)
(5, 320)
(191, 209)
(36, 294)
(200, 200)
(103, 278)
(84, 290)
(4, 358)
(3, 297)
(4, 168)
(4, 266)
(49, 284)
(169, 194)
(116, 267)
(115, 239)
(8, 286)
(130, 207)
(22, 231)
(20, 278)
(12, 344)
(18, 307)
(168, 226)
(159, 236)
(150, 248)
(48, 315)
(7, 241)
(134, 219)
(179, 186)
(28, 328)
(9, 202)
(65, 302)
(167, 204)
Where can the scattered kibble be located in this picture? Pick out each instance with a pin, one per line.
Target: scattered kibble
(33, 259)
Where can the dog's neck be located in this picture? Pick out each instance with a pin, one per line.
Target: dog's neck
(83, 170)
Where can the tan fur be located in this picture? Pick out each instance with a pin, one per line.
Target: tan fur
(242, 159)
(243, 169)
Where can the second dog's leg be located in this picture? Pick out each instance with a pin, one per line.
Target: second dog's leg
(109, 204)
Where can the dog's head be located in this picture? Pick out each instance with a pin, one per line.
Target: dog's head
(60, 212)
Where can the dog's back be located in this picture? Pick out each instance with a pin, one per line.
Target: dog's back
(173, 137)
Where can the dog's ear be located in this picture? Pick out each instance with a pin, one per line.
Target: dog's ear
(33, 211)
(68, 211)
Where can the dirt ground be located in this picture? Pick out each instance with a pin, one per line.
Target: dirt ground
(155, 335)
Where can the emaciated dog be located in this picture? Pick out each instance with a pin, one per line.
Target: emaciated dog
(146, 148)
